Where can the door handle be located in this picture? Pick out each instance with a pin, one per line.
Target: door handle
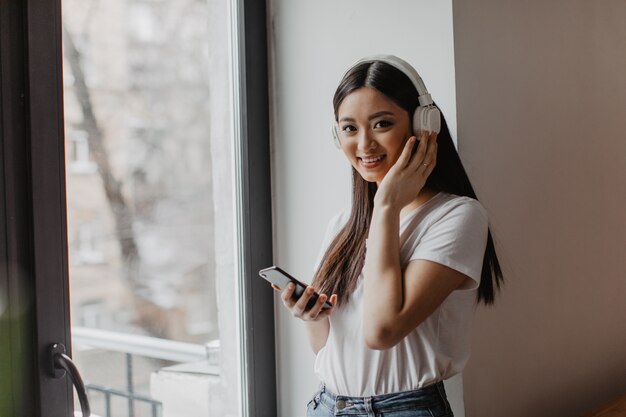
(60, 364)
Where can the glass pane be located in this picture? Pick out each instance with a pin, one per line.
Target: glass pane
(150, 206)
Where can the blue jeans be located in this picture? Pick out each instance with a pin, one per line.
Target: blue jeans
(429, 401)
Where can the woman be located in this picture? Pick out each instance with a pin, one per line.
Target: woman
(406, 265)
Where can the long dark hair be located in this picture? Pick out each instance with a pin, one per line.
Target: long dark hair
(343, 261)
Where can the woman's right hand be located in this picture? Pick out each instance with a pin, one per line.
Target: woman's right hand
(298, 307)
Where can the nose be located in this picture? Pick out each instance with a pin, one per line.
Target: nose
(366, 141)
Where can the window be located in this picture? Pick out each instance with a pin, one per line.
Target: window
(92, 314)
(34, 37)
(161, 205)
(80, 162)
(87, 246)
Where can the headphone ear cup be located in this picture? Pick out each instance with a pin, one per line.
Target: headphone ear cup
(335, 132)
(426, 118)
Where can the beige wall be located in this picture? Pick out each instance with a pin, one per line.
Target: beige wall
(541, 105)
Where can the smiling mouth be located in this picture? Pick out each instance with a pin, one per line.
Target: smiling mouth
(371, 162)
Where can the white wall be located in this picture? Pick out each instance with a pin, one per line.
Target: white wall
(312, 43)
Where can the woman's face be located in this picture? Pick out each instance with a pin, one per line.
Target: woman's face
(372, 131)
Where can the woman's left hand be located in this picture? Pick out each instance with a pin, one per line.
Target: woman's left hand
(406, 178)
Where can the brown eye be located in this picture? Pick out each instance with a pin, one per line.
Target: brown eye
(383, 123)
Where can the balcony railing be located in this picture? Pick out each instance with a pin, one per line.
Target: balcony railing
(150, 347)
(133, 345)
(108, 392)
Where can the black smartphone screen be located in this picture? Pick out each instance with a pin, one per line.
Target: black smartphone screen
(280, 278)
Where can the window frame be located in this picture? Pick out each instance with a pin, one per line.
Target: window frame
(253, 140)
(33, 215)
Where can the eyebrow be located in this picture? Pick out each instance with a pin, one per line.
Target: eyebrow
(371, 116)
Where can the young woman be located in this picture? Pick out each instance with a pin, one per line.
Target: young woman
(406, 265)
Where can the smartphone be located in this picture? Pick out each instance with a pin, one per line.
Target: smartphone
(280, 278)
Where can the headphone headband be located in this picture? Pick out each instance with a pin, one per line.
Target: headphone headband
(424, 97)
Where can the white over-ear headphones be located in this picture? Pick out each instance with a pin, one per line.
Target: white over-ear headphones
(426, 116)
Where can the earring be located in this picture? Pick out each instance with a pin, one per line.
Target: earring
(335, 132)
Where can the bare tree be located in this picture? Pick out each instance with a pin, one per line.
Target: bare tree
(149, 315)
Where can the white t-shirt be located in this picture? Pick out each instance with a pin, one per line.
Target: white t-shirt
(447, 229)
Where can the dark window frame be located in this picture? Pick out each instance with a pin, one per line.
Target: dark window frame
(259, 349)
(33, 248)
